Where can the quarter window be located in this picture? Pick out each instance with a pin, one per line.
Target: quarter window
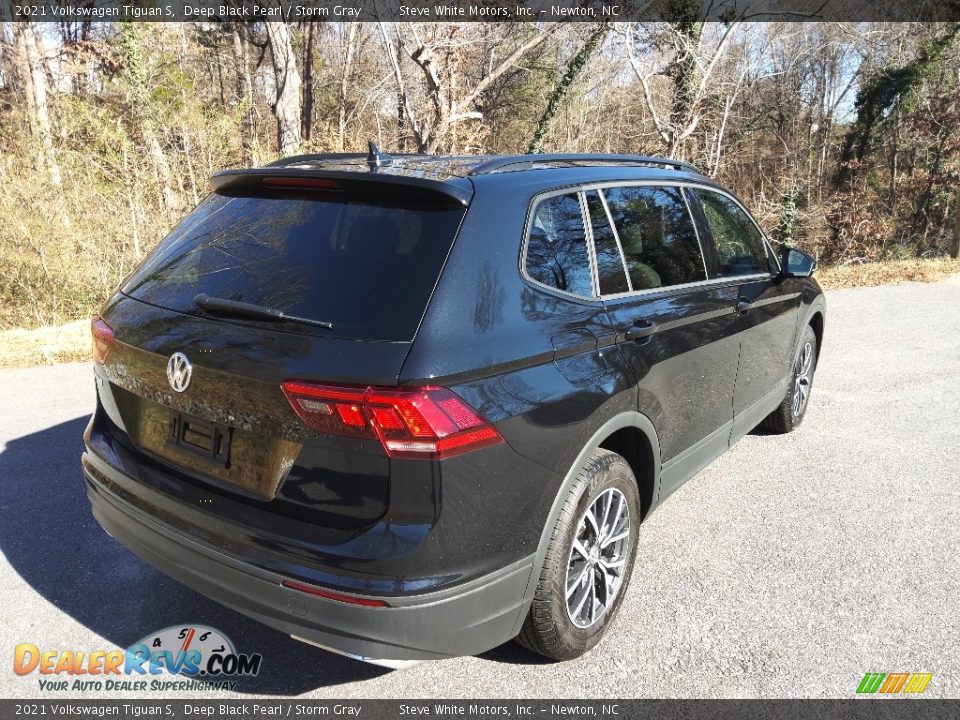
(657, 235)
(738, 242)
(557, 246)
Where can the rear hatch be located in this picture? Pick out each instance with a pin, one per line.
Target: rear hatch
(355, 269)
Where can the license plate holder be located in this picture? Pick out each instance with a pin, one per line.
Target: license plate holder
(202, 438)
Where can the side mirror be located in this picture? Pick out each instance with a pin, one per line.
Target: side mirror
(796, 263)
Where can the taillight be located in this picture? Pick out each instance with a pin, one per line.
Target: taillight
(424, 422)
(102, 338)
(330, 595)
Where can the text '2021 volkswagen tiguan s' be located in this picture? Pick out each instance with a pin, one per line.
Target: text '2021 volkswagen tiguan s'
(412, 407)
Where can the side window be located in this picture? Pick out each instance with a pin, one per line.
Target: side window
(557, 246)
(657, 236)
(739, 245)
(609, 262)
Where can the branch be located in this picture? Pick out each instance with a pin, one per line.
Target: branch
(470, 115)
(721, 46)
(401, 87)
(492, 76)
(662, 130)
(423, 57)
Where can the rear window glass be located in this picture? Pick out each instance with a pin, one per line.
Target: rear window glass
(367, 268)
(557, 246)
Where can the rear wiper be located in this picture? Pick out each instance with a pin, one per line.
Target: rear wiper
(260, 312)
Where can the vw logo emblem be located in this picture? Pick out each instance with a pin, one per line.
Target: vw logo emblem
(179, 371)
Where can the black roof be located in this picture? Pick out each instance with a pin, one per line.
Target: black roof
(432, 167)
(448, 167)
(451, 178)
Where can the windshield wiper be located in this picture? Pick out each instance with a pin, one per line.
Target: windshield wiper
(259, 312)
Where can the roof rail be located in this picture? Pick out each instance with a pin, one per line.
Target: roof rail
(531, 160)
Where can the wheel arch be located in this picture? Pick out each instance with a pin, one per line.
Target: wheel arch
(815, 321)
(634, 446)
(630, 432)
(813, 315)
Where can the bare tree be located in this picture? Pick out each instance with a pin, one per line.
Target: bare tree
(562, 86)
(33, 77)
(405, 112)
(346, 74)
(306, 121)
(954, 247)
(244, 90)
(438, 75)
(287, 107)
(772, 109)
(690, 70)
(141, 109)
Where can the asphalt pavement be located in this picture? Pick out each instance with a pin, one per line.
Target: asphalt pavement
(788, 568)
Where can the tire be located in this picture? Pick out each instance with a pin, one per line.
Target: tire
(790, 414)
(552, 628)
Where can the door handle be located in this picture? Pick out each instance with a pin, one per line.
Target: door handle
(639, 330)
(742, 307)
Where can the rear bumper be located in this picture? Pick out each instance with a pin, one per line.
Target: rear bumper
(463, 620)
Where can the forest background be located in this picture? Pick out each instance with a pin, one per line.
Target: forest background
(843, 138)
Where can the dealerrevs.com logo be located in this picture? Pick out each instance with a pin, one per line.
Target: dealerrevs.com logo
(200, 657)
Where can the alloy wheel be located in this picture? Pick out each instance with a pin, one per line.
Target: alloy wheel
(598, 558)
(801, 386)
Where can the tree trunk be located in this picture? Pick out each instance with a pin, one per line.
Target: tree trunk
(34, 79)
(894, 158)
(245, 94)
(404, 111)
(171, 201)
(139, 102)
(685, 73)
(288, 86)
(560, 90)
(345, 86)
(955, 240)
(306, 120)
(401, 107)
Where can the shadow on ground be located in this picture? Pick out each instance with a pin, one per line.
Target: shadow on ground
(51, 539)
(513, 654)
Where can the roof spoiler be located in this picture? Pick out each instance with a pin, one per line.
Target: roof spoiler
(382, 185)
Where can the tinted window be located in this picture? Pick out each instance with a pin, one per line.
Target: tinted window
(657, 236)
(557, 247)
(367, 268)
(610, 271)
(739, 245)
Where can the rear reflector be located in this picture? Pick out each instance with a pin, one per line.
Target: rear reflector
(425, 422)
(330, 595)
(102, 338)
(301, 183)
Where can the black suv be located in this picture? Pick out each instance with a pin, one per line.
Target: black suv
(412, 407)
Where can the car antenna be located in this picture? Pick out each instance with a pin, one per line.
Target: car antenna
(377, 159)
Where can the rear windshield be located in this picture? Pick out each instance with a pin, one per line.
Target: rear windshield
(366, 267)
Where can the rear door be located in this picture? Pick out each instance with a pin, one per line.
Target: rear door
(364, 264)
(767, 308)
(675, 331)
(557, 257)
